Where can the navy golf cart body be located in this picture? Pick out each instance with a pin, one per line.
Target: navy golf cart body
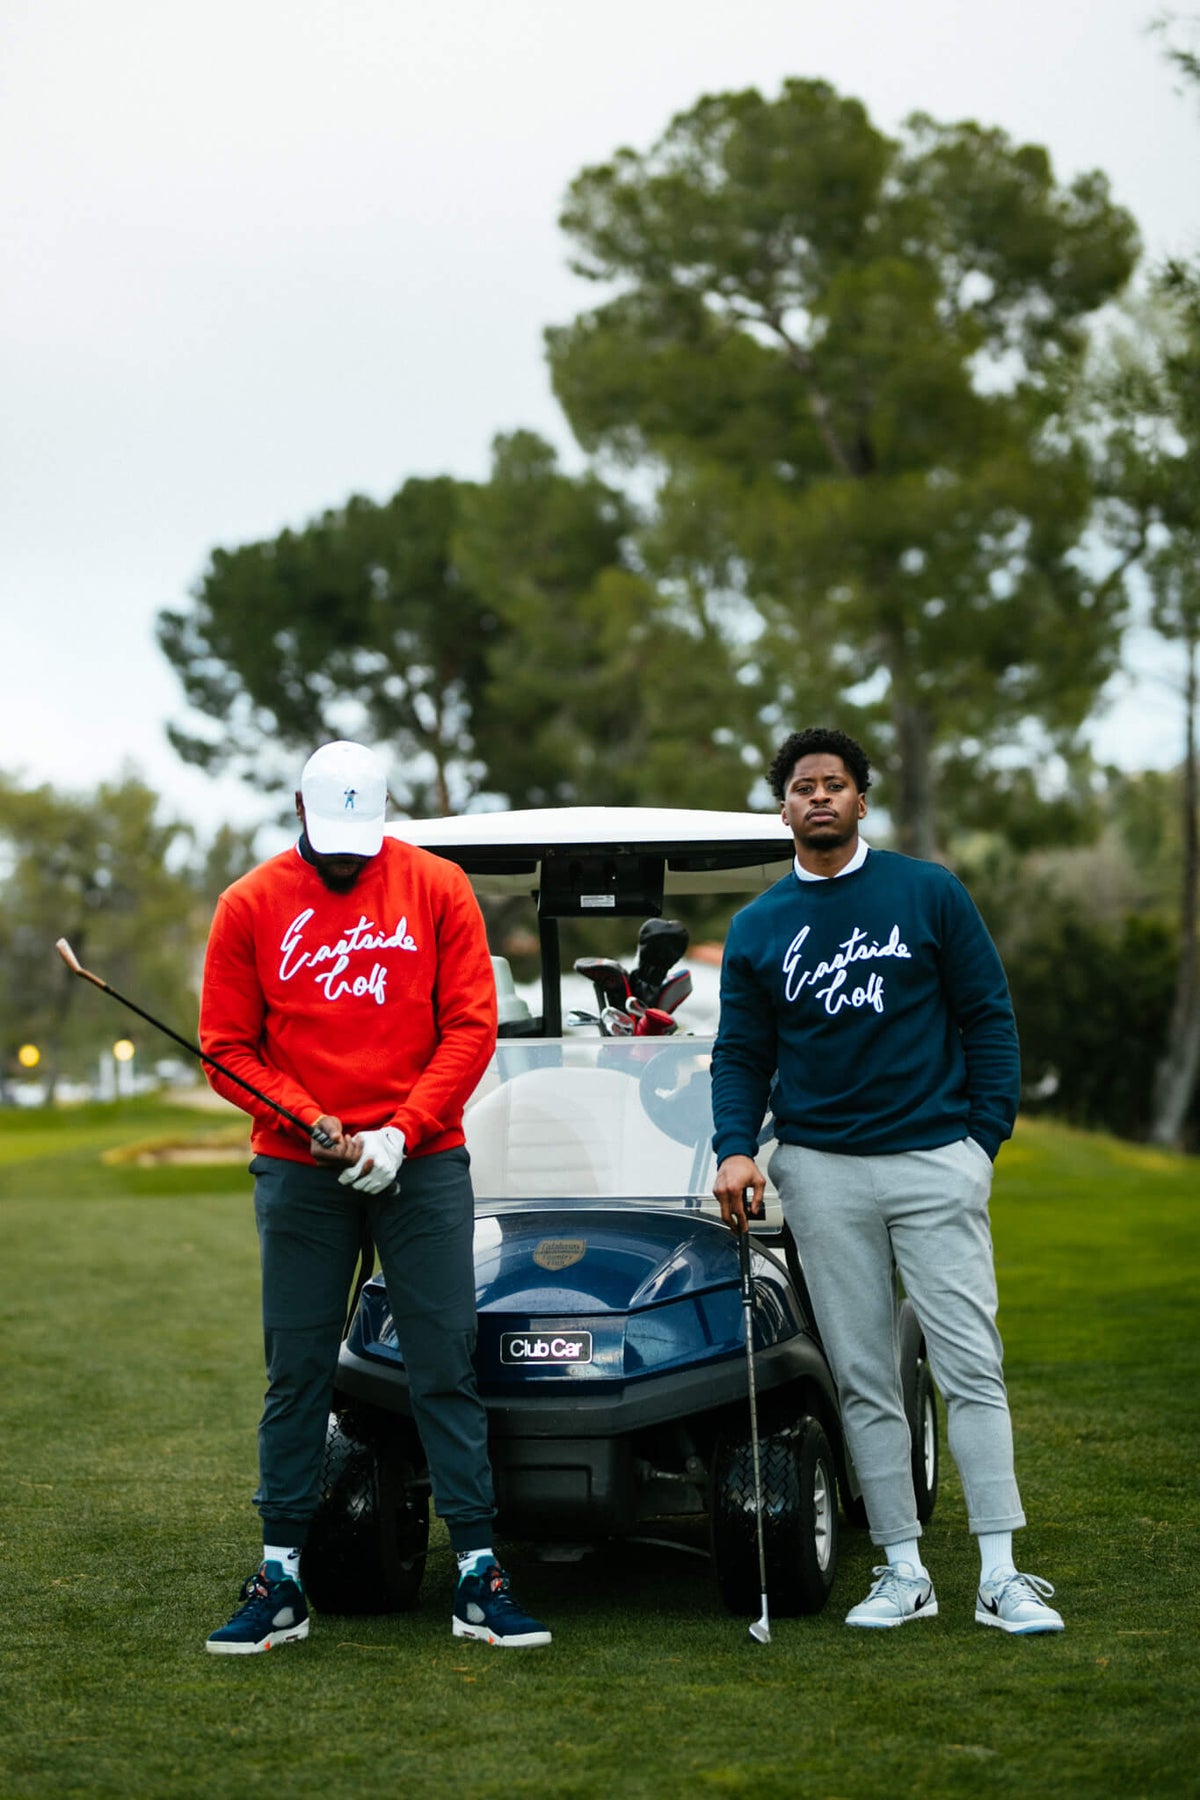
(611, 1351)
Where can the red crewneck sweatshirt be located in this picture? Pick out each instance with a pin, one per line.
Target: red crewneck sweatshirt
(377, 1006)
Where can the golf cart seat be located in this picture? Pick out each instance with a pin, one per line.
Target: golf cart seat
(560, 1133)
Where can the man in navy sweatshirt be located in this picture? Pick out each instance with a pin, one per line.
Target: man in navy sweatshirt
(865, 985)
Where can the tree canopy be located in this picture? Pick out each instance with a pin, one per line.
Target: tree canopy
(843, 359)
(852, 352)
(357, 624)
(605, 686)
(497, 639)
(1146, 397)
(105, 871)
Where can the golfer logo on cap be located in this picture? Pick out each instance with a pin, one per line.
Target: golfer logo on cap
(349, 793)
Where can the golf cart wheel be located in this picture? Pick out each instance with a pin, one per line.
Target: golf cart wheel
(800, 1520)
(854, 1510)
(367, 1541)
(923, 1425)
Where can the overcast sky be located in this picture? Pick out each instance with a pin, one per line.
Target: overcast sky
(263, 255)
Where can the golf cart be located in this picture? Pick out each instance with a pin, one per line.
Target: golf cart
(612, 1353)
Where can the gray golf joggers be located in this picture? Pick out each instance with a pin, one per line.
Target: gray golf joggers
(850, 1215)
(309, 1237)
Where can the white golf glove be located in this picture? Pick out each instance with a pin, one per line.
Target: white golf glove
(384, 1150)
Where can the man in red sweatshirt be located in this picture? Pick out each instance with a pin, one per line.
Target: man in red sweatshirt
(349, 980)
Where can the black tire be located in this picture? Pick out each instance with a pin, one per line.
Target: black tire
(854, 1509)
(920, 1409)
(367, 1541)
(921, 1405)
(800, 1520)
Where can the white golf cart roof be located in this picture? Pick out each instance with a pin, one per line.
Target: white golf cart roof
(702, 852)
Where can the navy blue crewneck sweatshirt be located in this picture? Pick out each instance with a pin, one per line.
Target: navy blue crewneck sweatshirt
(881, 1000)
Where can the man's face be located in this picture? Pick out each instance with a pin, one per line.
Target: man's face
(821, 805)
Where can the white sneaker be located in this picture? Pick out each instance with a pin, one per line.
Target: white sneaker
(897, 1595)
(1017, 1603)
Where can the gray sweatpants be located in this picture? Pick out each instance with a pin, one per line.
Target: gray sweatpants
(927, 1209)
(309, 1230)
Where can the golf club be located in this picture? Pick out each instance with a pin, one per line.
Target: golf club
(760, 1631)
(73, 963)
(607, 977)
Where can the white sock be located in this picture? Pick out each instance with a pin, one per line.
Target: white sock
(287, 1556)
(472, 1562)
(995, 1555)
(906, 1552)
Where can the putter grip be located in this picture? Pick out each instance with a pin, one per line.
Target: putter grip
(322, 1137)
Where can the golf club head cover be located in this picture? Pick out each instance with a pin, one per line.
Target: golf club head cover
(384, 1150)
(661, 943)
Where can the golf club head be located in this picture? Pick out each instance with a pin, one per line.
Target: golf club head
(760, 1631)
(69, 957)
(312, 1132)
(674, 991)
(607, 977)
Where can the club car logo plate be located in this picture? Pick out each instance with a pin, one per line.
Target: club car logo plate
(559, 1253)
(545, 1348)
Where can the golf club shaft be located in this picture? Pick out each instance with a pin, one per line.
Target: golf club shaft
(747, 1285)
(72, 961)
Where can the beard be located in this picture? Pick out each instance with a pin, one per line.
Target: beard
(339, 873)
(829, 835)
(339, 880)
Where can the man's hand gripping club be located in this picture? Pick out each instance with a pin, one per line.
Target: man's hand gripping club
(740, 1186)
(370, 1160)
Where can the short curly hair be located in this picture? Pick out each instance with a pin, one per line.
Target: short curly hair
(818, 740)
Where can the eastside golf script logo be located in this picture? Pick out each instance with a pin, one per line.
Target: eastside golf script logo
(295, 954)
(835, 972)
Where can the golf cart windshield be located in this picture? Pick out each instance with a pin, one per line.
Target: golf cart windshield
(603, 863)
(579, 1118)
(563, 1115)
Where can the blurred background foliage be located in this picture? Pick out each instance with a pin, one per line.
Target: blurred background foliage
(892, 433)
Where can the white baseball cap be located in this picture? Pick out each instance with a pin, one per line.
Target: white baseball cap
(344, 790)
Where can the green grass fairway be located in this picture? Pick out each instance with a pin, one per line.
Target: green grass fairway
(132, 1384)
